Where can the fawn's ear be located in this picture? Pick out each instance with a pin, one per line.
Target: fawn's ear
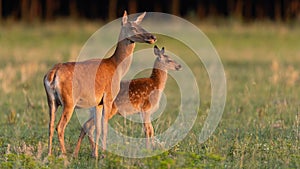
(156, 51)
(140, 18)
(162, 50)
(124, 19)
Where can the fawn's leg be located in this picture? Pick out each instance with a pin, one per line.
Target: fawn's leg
(88, 127)
(148, 129)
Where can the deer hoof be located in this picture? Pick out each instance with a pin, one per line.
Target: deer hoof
(95, 154)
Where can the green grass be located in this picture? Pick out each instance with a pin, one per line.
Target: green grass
(259, 128)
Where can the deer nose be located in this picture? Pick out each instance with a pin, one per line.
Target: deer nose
(178, 67)
(153, 37)
(150, 39)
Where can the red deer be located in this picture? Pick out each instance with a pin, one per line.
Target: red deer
(138, 96)
(83, 89)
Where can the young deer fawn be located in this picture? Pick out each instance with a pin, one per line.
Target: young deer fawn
(83, 89)
(138, 96)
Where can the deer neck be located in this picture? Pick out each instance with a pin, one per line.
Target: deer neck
(159, 76)
(123, 50)
(122, 56)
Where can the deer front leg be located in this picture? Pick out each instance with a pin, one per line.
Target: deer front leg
(149, 132)
(148, 129)
(106, 114)
(64, 120)
(97, 124)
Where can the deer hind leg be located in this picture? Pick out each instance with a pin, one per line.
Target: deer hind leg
(52, 109)
(148, 129)
(64, 120)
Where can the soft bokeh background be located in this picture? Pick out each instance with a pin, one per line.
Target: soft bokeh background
(31, 10)
(258, 43)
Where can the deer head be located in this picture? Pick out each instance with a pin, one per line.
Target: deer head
(132, 31)
(164, 60)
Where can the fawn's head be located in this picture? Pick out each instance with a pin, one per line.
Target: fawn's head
(164, 60)
(132, 31)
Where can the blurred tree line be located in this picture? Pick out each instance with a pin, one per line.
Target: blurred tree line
(45, 10)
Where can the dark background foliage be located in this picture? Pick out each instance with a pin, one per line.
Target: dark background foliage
(246, 10)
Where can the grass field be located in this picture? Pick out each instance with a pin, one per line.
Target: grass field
(260, 127)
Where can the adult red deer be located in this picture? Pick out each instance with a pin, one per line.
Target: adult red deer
(137, 96)
(93, 82)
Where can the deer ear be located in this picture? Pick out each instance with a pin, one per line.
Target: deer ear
(140, 18)
(156, 51)
(124, 19)
(162, 50)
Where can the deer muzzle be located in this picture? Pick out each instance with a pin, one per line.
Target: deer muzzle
(151, 39)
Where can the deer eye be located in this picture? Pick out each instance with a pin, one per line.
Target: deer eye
(133, 29)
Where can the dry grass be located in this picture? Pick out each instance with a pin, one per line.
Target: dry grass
(280, 74)
(12, 77)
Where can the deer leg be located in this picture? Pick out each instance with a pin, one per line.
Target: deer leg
(91, 136)
(88, 127)
(148, 129)
(65, 118)
(81, 136)
(97, 124)
(52, 109)
(104, 127)
(106, 113)
(149, 132)
(90, 132)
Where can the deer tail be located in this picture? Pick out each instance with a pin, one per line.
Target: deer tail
(49, 78)
(49, 84)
